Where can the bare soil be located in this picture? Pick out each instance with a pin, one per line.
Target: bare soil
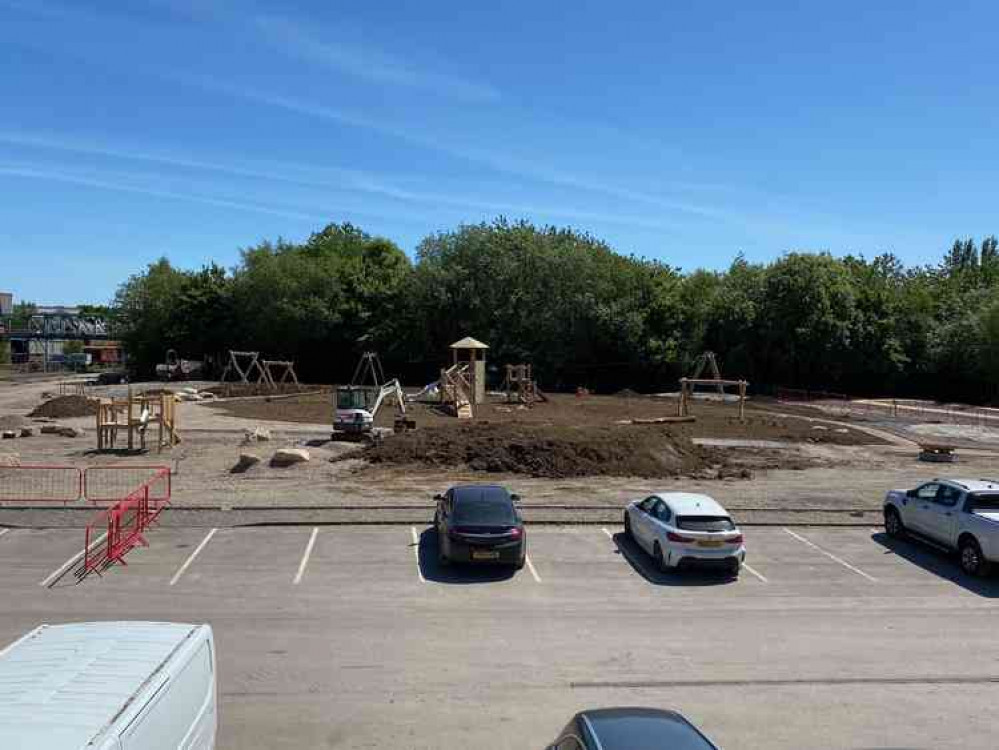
(62, 407)
(547, 451)
(713, 420)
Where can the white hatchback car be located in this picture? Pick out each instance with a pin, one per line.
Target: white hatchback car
(682, 529)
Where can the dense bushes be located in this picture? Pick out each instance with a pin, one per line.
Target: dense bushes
(582, 313)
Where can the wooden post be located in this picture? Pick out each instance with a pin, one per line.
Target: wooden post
(131, 441)
(742, 400)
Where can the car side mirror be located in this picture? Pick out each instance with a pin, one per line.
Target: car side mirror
(438, 497)
(515, 498)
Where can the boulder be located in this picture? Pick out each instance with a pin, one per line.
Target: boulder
(8, 434)
(27, 432)
(50, 429)
(72, 432)
(289, 456)
(256, 435)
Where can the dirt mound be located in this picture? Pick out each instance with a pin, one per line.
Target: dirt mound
(62, 407)
(546, 451)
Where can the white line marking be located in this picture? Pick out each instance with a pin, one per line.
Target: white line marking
(831, 556)
(609, 535)
(530, 567)
(58, 572)
(755, 573)
(416, 553)
(188, 561)
(4, 531)
(305, 557)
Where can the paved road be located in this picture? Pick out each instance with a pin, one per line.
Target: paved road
(838, 639)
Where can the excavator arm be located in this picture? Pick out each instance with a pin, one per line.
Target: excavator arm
(391, 388)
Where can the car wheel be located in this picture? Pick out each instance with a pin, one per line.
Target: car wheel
(627, 525)
(972, 560)
(893, 524)
(657, 554)
(519, 565)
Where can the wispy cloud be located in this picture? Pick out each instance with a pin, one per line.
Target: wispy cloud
(335, 178)
(33, 172)
(365, 61)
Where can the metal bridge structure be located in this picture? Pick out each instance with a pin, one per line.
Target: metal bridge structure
(58, 325)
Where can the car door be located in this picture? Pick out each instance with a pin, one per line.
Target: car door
(659, 519)
(940, 517)
(443, 512)
(917, 512)
(641, 522)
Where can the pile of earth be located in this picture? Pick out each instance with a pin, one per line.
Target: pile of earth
(63, 407)
(548, 451)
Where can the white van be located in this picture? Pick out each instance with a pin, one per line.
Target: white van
(109, 686)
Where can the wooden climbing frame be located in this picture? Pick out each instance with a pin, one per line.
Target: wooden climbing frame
(134, 416)
(244, 371)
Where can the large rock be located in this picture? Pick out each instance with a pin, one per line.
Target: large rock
(289, 456)
(27, 432)
(72, 432)
(50, 429)
(8, 434)
(257, 435)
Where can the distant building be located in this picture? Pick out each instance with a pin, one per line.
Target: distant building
(6, 303)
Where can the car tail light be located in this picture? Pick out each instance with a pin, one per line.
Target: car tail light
(737, 539)
(681, 539)
(515, 533)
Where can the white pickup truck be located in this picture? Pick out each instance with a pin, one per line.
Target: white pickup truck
(959, 514)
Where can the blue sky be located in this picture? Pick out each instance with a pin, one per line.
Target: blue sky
(684, 131)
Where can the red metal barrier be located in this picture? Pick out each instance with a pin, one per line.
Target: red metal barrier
(124, 524)
(40, 484)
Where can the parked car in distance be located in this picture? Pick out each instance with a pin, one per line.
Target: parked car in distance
(960, 515)
(630, 729)
(109, 686)
(480, 523)
(683, 529)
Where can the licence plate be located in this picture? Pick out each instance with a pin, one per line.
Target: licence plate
(709, 543)
(484, 554)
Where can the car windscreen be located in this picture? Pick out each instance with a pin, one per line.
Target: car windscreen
(705, 523)
(985, 501)
(484, 509)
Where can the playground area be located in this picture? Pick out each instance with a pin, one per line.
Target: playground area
(263, 440)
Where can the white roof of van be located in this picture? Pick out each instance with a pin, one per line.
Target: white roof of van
(62, 685)
(693, 504)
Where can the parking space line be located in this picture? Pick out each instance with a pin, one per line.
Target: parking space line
(4, 531)
(609, 535)
(755, 573)
(530, 567)
(189, 560)
(305, 557)
(831, 556)
(416, 553)
(56, 574)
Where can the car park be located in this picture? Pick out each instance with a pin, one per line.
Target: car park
(683, 529)
(960, 515)
(479, 523)
(630, 729)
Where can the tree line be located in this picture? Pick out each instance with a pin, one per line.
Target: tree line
(580, 312)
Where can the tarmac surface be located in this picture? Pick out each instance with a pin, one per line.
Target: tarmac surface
(354, 637)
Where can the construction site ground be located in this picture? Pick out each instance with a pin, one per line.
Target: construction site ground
(783, 465)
